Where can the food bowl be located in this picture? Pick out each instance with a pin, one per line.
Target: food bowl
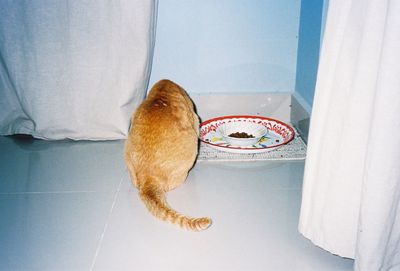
(242, 133)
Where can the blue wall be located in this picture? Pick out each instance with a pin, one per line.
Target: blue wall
(227, 45)
(312, 17)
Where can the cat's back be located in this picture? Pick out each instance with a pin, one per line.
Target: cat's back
(167, 104)
(166, 118)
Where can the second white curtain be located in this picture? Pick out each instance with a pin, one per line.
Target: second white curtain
(351, 193)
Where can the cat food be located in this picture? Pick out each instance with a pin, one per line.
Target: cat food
(241, 135)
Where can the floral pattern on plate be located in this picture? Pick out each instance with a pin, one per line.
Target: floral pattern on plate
(279, 133)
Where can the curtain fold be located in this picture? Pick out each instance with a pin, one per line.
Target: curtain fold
(74, 69)
(351, 191)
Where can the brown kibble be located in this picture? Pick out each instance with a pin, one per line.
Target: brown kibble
(241, 135)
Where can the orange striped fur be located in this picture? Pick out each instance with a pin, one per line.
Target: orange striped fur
(161, 149)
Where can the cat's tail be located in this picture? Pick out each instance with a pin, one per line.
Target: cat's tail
(154, 199)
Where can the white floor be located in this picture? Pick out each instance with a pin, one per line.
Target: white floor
(71, 206)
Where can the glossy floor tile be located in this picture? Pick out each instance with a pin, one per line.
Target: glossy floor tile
(71, 206)
(51, 166)
(51, 231)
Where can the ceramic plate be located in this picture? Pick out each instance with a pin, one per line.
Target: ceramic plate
(279, 133)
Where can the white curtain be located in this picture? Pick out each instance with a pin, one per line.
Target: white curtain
(73, 69)
(351, 191)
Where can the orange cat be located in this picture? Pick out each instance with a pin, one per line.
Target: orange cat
(161, 149)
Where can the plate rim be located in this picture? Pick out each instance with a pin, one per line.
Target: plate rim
(248, 117)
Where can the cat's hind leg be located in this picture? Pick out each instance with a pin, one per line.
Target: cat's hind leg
(176, 179)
